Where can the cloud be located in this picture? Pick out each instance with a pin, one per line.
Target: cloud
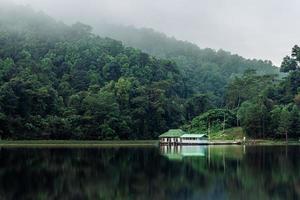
(252, 28)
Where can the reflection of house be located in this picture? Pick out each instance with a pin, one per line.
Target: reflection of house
(179, 137)
(188, 151)
(212, 152)
(179, 152)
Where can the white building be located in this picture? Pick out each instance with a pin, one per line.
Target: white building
(194, 139)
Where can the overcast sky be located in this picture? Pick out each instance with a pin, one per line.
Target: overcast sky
(264, 29)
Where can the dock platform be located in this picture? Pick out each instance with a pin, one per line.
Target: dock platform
(213, 142)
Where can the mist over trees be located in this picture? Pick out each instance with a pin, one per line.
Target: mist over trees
(69, 83)
(66, 82)
(205, 70)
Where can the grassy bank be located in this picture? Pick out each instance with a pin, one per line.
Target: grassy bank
(76, 143)
(272, 142)
(236, 133)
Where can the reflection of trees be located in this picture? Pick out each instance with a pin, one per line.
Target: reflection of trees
(250, 173)
(271, 172)
(92, 173)
(126, 173)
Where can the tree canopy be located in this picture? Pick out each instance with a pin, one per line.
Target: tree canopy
(61, 82)
(205, 70)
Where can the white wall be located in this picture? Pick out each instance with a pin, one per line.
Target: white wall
(190, 141)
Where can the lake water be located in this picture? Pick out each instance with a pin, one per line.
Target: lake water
(199, 172)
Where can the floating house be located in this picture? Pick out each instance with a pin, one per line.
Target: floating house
(179, 137)
(171, 137)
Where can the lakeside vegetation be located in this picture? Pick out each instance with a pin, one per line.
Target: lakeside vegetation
(206, 71)
(60, 82)
(236, 133)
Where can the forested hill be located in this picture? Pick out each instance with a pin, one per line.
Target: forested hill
(62, 82)
(206, 70)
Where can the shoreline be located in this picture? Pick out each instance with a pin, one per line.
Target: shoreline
(271, 142)
(77, 143)
(130, 143)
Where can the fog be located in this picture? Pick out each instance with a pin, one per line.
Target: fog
(252, 28)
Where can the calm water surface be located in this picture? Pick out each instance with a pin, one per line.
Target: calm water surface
(215, 172)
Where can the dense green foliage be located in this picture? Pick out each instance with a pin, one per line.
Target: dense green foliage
(205, 70)
(212, 121)
(62, 82)
(69, 83)
(266, 106)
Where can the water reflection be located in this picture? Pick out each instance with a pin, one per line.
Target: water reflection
(174, 152)
(178, 152)
(214, 172)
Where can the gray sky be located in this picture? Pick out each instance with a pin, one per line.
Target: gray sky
(264, 29)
